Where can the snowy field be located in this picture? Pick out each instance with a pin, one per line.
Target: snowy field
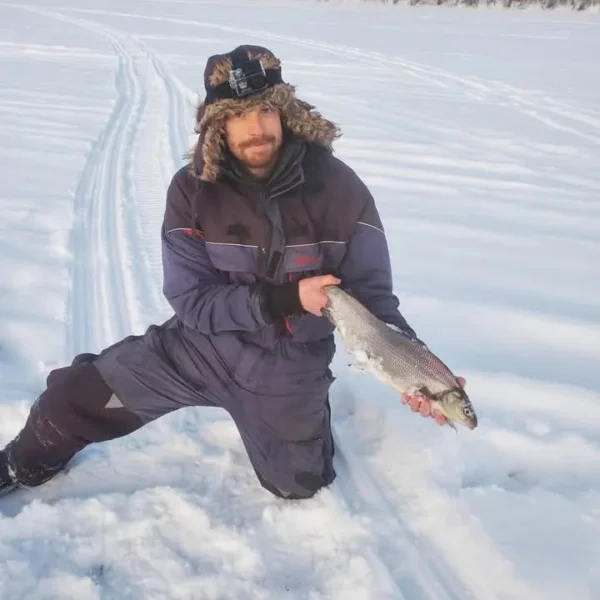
(478, 132)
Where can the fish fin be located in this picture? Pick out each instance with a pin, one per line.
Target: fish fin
(355, 366)
(358, 361)
(451, 424)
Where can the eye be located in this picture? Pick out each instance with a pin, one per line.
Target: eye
(467, 411)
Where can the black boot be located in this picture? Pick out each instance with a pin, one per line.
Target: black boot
(7, 483)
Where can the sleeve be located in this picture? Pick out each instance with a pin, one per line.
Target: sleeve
(366, 268)
(200, 295)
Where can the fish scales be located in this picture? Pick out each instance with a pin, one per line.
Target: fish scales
(394, 357)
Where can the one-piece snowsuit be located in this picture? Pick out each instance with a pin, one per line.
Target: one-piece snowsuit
(223, 242)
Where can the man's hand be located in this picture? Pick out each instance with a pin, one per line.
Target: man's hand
(421, 404)
(312, 296)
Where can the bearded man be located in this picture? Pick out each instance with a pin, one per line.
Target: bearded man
(260, 220)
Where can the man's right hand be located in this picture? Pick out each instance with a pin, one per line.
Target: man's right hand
(312, 296)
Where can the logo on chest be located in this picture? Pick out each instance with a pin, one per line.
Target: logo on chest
(306, 260)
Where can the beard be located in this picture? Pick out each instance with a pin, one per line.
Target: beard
(259, 152)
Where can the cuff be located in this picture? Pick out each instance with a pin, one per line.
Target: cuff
(281, 300)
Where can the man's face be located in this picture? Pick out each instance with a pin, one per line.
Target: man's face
(254, 137)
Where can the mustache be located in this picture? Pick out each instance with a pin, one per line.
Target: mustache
(258, 141)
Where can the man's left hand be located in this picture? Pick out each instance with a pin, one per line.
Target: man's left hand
(422, 404)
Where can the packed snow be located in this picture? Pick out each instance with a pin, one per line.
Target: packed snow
(478, 132)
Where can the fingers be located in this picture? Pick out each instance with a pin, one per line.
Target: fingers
(312, 294)
(422, 405)
(329, 279)
(417, 402)
(317, 309)
(413, 401)
(461, 381)
(324, 280)
(440, 419)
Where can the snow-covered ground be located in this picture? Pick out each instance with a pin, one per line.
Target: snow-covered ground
(479, 133)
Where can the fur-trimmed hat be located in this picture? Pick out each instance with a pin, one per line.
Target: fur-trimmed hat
(225, 94)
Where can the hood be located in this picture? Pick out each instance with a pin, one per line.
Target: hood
(298, 118)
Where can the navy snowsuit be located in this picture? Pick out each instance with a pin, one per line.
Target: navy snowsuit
(225, 245)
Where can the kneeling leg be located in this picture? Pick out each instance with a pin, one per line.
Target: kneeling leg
(291, 462)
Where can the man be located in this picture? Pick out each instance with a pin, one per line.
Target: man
(261, 218)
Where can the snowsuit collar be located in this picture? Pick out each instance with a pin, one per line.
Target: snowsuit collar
(287, 174)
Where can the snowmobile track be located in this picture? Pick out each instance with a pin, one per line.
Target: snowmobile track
(120, 197)
(417, 574)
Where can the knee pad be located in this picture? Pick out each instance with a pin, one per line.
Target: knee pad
(297, 470)
(309, 486)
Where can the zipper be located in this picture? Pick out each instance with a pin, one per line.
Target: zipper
(265, 251)
(269, 259)
(262, 261)
(286, 320)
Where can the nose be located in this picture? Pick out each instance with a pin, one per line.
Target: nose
(255, 123)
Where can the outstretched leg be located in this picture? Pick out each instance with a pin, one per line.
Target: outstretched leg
(76, 409)
(102, 397)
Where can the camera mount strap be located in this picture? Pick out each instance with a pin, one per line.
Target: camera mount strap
(247, 77)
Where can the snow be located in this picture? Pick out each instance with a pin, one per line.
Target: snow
(478, 132)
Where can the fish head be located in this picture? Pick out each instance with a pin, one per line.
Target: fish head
(456, 407)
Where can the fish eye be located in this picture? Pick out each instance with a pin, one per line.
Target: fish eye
(468, 411)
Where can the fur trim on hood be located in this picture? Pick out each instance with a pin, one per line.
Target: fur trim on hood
(297, 116)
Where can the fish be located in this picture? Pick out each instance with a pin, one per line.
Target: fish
(396, 358)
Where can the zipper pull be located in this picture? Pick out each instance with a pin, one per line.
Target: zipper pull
(274, 264)
(262, 261)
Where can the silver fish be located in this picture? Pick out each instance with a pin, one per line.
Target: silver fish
(395, 358)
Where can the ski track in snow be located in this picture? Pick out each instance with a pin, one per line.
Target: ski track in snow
(423, 569)
(413, 574)
(117, 275)
(120, 197)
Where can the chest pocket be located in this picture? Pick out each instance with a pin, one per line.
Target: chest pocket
(232, 230)
(303, 257)
(233, 258)
(313, 259)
